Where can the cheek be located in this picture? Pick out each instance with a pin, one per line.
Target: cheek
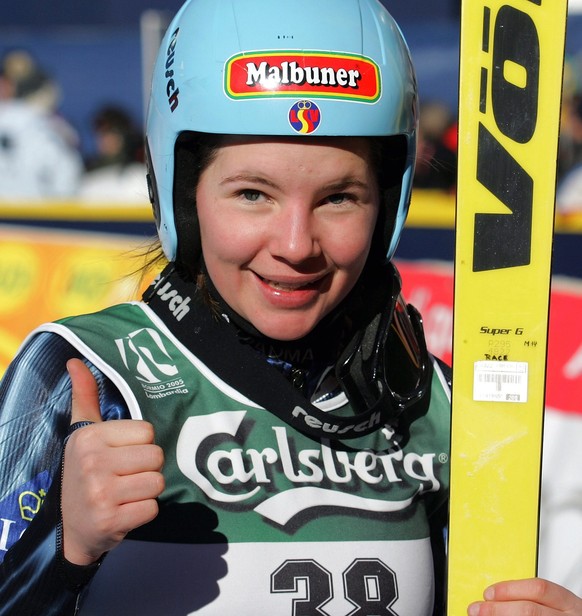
(215, 235)
(350, 249)
(224, 240)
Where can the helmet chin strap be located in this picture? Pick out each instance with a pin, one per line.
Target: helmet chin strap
(387, 358)
(215, 342)
(302, 361)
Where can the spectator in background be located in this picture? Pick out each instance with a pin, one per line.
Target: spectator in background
(570, 132)
(117, 172)
(436, 165)
(39, 156)
(569, 190)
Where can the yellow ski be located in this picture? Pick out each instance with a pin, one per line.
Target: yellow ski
(511, 63)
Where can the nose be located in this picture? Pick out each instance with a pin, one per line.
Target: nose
(295, 234)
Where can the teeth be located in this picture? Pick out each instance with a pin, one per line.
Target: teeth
(283, 286)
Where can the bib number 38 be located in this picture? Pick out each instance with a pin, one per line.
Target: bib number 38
(367, 583)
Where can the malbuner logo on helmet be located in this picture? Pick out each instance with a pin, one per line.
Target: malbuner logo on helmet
(290, 73)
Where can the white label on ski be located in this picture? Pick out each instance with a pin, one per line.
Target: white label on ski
(500, 381)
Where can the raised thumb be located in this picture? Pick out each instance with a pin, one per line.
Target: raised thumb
(85, 401)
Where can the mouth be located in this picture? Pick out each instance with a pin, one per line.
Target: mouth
(289, 286)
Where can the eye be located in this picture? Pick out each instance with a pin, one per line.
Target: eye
(338, 198)
(251, 195)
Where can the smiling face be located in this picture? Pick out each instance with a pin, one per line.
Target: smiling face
(286, 227)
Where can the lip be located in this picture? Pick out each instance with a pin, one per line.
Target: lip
(289, 292)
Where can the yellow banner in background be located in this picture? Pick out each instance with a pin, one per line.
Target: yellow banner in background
(46, 275)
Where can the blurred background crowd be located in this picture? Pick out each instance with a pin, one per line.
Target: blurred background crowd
(40, 150)
(73, 81)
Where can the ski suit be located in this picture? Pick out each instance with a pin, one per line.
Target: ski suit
(257, 517)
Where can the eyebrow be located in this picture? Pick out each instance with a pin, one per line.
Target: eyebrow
(340, 185)
(346, 183)
(242, 177)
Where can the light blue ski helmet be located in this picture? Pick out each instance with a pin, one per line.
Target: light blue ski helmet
(279, 68)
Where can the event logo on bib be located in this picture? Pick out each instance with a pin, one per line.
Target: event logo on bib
(144, 354)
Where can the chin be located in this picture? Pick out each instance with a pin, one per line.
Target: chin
(285, 330)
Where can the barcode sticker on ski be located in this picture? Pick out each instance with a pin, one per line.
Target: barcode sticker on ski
(500, 381)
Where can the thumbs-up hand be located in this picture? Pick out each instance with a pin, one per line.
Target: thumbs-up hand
(111, 476)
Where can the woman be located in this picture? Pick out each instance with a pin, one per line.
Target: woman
(291, 457)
